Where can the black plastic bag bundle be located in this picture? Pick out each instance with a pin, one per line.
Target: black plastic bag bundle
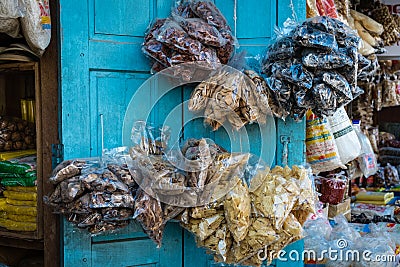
(313, 65)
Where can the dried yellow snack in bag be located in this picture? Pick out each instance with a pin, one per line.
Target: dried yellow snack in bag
(237, 210)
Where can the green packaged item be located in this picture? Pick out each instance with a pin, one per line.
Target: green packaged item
(8, 167)
(30, 174)
(19, 181)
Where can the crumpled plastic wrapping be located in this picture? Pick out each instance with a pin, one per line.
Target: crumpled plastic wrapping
(313, 65)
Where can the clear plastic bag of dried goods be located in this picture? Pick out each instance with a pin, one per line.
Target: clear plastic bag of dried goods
(333, 189)
(321, 150)
(324, 60)
(237, 207)
(308, 36)
(201, 31)
(149, 213)
(229, 96)
(148, 140)
(171, 34)
(210, 13)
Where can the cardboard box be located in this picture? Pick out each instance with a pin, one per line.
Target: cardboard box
(341, 208)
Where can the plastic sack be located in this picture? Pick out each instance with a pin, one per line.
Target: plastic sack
(29, 196)
(367, 159)
(207, 10)
(346, 138)
(21, 210)
(16, 134)
(21, 202)
(11, 9)
(10, 27)
(321, 150)
(327, 8)
(19, 181)
(21, 188)
(36, 24)
(18, 226)
(21, 218)
(149, 213)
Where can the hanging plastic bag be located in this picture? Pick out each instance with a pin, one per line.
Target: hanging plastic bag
(346, 138)
(11, 9)
(367, 159)
(201, 30)
(36, 24)
(321, 150)
(208, 11)
(327, 8)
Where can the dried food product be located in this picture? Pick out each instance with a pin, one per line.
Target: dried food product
(176, 38)
(346, 139)
(237, 210)
(148, 140)
(36, 24)
(308, 36)
(367, 22)
(153, 31)
(74, 168)
(149, 213)
(391, 175)
(209, 12)
(230, 96)
(325, 60)
(202, 31)
(332, 190)
(294, 64)
(157, 51)
(343, 9)
(16, 134)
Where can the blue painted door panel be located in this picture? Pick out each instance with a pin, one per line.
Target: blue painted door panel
(102, 66)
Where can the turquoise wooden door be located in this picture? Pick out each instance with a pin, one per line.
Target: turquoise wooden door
(101, 68)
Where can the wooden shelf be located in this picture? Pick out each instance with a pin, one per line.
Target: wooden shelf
(20, 242)
(18, 67)
(17, 234)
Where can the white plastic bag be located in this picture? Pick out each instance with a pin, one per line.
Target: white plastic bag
(367, 159)
(11, 9)
(346, 138)
(10, 27)
(36, 24)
